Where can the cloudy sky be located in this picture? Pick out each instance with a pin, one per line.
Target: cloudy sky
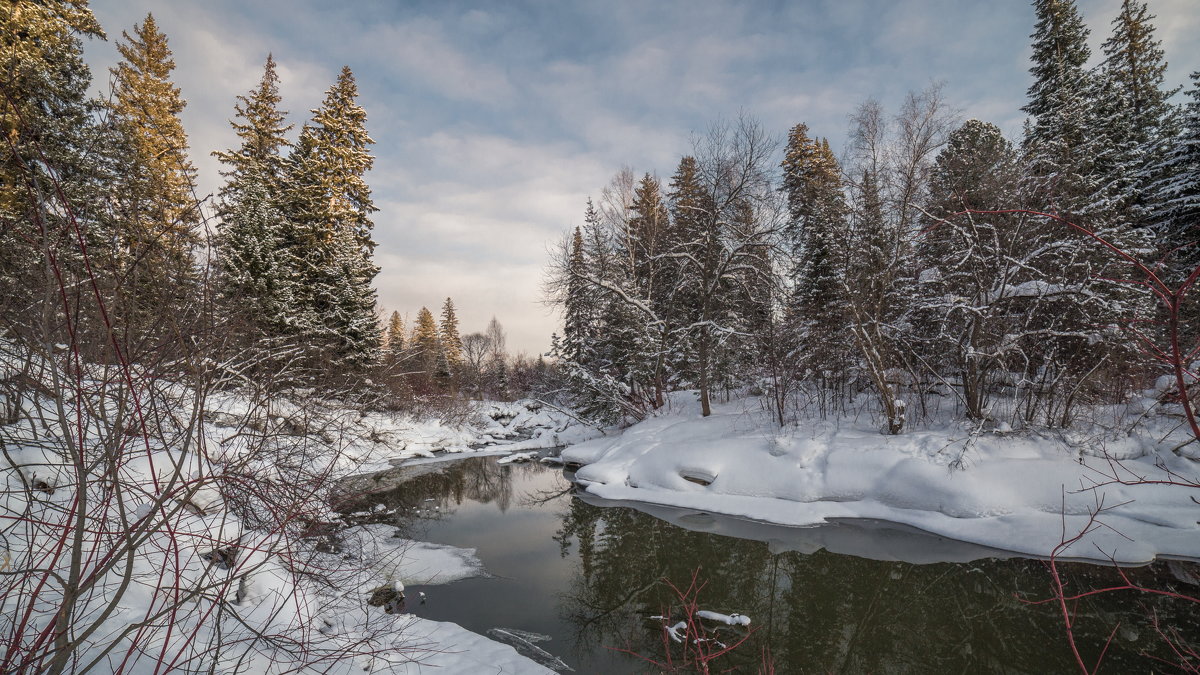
(495, 121)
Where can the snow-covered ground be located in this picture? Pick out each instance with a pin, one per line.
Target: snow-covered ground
(369, 440)
(184, 526)
(1023, 492)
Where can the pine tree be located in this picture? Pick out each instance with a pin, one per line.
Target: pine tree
(451, 342)
(973, 266)
(157, 192)
(329, 205)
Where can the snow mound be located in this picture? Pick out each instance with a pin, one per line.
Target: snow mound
(1013, 491)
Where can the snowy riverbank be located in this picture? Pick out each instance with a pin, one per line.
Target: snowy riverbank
(392, 562)
(198, 521)
(1017, 492)
(364, 441)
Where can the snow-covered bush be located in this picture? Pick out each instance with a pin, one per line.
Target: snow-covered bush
(137, 535)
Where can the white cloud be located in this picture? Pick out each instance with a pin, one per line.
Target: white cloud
(419, 50)
(495, 122)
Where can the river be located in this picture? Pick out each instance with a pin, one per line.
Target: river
(850, 597)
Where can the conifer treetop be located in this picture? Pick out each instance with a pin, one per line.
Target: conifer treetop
(1060, 51)
(395, 333)
(424, 341)
(259, 123)
(147, 105)
(1136, 60)
(451, 342)
(333, 158)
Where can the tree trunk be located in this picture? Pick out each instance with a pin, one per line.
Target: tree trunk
(705, 404)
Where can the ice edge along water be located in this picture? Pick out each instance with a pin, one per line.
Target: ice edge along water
(1020, 492)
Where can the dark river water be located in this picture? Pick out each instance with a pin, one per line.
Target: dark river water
(848, 598)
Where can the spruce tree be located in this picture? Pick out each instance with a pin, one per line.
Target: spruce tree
(1177, 192)
(441, 369)
(329, 166)
(44, 108)
(815, 236)
(256, 244)
(1135, 59)
(689, 206)
(584, 353)
(1059, 102)
(1132, 116)
(259, 124)
(652, 283)
(648, 227)
(50, 148)
(873, 291)
(256, 264)
(451, 342)
(718, 240)
(157, 191)
(424, 345)
(1078, 163)
(395, 335)
(1176, 199)
(577, 308)
(328, 203)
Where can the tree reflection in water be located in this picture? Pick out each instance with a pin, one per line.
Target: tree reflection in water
(405, 495)
(828, 612)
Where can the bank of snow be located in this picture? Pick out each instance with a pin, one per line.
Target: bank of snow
(1013, 491)
(197, 522)
(365, 440)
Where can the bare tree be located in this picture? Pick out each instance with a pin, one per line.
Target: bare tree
(887, 171)
(725, 257)
(477, 348)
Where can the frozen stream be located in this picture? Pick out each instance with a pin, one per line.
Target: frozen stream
(858, 597)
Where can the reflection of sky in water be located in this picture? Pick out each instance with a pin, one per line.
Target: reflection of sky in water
(818, 610)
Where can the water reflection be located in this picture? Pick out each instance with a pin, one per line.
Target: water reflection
(817, 610)
(590, 574)
(428, 489)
